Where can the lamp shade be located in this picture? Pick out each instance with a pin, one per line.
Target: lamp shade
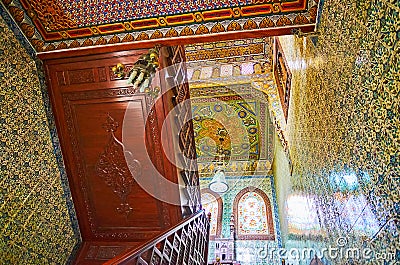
(218, 183)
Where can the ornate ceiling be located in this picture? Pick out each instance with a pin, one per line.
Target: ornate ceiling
(239, 110)
(61, 24)
(225, 101)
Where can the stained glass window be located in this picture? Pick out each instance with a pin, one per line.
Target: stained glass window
(210, 205)
(252, 215)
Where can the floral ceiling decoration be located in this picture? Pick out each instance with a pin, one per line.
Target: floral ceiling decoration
(232, 85)
(59, 24)
(242, 112)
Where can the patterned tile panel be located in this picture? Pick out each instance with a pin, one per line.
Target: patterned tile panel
(247, 251)
(37, 220)
(343, 128)
(243, 113)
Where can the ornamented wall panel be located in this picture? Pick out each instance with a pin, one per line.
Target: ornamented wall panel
(113, 166)
(243, 113)
(343, 131)
(37, 219)
(112, 146)
(247, 250)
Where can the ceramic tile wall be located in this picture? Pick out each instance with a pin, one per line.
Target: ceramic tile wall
(281, 171)
(343, 130)
(247, 251)
(37, 223)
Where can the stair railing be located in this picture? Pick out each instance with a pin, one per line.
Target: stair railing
(183, 244)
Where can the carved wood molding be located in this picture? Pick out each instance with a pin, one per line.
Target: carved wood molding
(93, 94)
(152, 128)
(116, 234)
(283, 76)
(103, 252)
(118, 168)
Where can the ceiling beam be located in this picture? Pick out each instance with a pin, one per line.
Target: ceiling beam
(184, 40)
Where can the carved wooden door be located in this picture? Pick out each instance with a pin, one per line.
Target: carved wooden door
(111, 143)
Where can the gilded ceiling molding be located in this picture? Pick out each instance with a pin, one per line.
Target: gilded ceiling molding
(56, 24)
(224, 52)
(246, 168)
(276, 112)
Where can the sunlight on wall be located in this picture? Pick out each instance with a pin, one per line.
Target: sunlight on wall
(210, 205)
(302, 215)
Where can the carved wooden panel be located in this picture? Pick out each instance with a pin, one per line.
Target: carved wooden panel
(100, 252)
(177, 100)
(283, 76)
(101, 161)
(110, 142)
(81, 76)
(61, 79)
(183, 244)
(102, 74)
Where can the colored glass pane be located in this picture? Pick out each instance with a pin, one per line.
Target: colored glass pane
(252, 217)
(210, 205)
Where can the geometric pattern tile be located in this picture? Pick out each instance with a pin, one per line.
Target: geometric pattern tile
(343, 127)
(37, 220)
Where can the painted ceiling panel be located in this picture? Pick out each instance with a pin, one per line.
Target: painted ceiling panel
(110, 11)
(61, 24)
(224, 99)
(239, 110)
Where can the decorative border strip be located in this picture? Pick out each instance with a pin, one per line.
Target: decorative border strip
(260, 16)
(172, 20)
(276, 112)
(276, 214)
(17, 31)
(226, 52)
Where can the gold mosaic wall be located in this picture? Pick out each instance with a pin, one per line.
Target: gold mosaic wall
(343, 127)
(281, 172)
(35, 222)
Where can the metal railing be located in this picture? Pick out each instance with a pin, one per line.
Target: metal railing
(183, 244)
